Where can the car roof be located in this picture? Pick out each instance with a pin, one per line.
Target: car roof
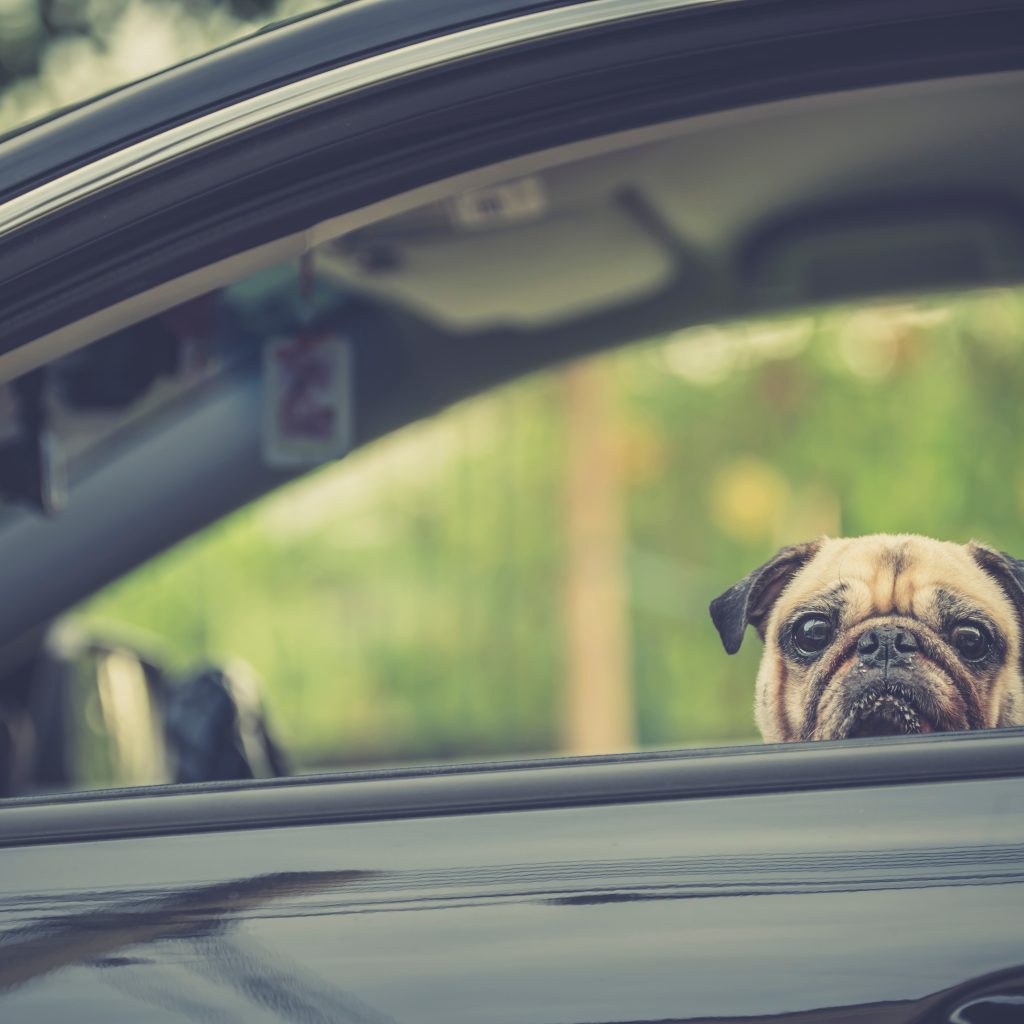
(281, 53)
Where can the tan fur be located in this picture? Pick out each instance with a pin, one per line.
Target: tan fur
(898, 580)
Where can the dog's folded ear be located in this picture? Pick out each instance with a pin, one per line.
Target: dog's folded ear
(1007, 571)
(750, 600)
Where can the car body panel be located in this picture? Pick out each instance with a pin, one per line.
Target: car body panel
(745, 907)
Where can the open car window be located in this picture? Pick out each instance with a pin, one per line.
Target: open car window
(491, 572)
(529, 572)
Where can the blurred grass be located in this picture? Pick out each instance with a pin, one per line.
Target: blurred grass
(406, 603)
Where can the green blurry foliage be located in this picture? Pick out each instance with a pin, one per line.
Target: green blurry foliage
(407, 603)
(57, 53)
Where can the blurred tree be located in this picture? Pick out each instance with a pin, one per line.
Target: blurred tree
(54, 53)
(598, 711)
(28, 27)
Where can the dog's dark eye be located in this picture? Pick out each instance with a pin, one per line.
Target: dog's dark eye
(971, 640)
(812, 634)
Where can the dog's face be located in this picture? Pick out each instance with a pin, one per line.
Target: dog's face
(881, 635)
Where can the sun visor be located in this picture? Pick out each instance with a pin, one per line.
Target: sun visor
(466, 268)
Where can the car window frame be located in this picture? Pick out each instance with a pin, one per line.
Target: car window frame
(509, 786)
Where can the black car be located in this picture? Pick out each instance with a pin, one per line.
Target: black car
(356, 220)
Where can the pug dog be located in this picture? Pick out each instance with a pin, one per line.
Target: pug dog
(881, 635)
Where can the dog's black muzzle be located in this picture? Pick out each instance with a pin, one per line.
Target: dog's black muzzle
(883, 696)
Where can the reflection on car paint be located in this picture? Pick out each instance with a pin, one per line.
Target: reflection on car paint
(664, 911)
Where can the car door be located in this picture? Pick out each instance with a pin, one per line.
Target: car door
(864, 880)
(879, 881)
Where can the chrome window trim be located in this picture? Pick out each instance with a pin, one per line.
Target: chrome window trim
(166, 146)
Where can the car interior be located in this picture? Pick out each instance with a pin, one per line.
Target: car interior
(879, 230)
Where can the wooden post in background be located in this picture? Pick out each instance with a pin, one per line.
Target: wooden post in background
(599, 715)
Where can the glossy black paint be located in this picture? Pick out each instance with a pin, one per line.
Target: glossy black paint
(865, 902)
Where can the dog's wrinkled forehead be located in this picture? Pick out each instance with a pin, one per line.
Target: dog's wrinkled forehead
(892, 575)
